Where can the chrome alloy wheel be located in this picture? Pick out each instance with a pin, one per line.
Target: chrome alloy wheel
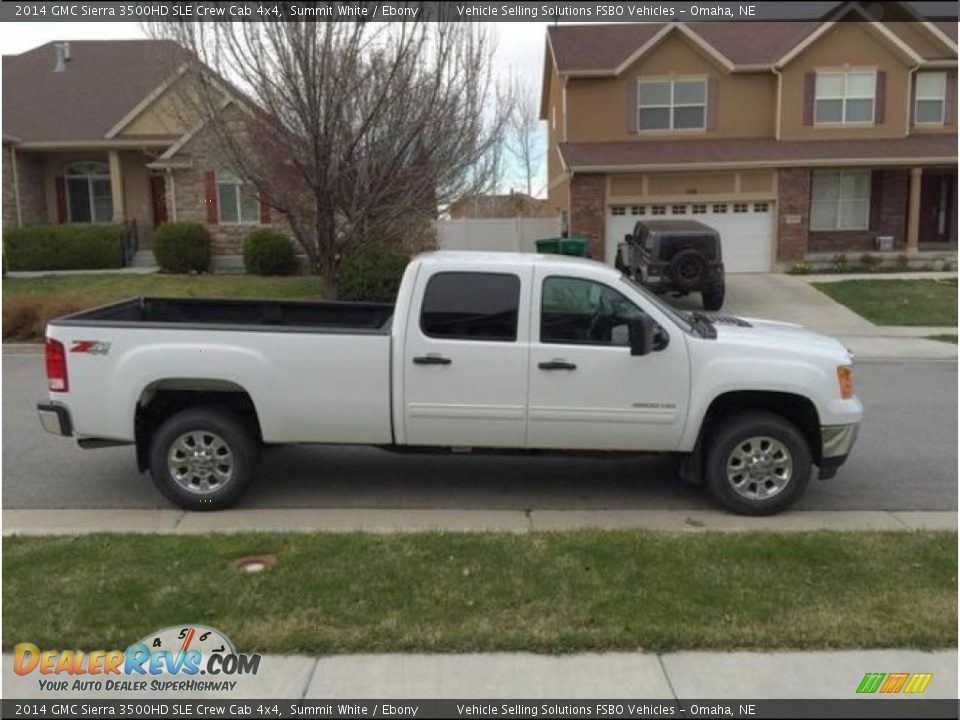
(200, 461)
(759, 467)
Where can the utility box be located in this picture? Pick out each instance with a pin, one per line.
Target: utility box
(885, 243)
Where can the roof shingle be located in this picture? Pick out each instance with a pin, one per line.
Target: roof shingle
(103, 81)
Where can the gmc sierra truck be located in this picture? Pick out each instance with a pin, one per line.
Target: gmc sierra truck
(482, 352)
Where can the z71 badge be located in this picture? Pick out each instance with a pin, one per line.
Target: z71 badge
(91, 347)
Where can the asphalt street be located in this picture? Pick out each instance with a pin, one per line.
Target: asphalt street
(905, 459)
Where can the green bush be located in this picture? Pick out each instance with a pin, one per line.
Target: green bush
(268, 252)
(63, 247)
(182, 247)
(372, 274)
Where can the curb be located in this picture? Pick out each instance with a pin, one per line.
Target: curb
(377, 520)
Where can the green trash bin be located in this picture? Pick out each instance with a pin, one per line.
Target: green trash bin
(575, 246)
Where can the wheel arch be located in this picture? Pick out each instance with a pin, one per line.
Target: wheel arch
(797, 409)
(161, 399)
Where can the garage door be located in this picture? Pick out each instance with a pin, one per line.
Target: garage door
(745, 227)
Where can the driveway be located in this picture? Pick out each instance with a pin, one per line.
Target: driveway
(788, 298)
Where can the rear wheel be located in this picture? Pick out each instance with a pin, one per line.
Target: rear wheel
(713, 297)
(203, 458)
(757, 463)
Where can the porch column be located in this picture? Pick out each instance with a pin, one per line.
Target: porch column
(116, 187)
(913, 212)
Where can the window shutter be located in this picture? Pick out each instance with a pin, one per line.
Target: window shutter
(809, 90)
(61, 186)
(712, 103)
(632, 111)
(880, 99)
(950, 97)
(211, 199)
(264, 213)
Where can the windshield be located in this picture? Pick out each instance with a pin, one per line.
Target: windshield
(679, 318)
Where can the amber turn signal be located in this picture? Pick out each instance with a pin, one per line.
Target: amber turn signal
(845, 378)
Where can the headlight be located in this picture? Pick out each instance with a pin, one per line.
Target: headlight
(845, 379)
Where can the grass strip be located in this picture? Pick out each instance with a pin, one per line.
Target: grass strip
(898, 302)
(946, 337)
(436, 592)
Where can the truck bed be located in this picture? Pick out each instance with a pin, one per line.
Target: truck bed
(274, 315)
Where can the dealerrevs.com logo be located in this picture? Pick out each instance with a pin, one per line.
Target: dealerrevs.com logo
(187, 658)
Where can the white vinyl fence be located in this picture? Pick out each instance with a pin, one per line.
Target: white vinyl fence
(508, 234)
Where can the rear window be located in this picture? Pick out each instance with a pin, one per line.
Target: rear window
(471, 306)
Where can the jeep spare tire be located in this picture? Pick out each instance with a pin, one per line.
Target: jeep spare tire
(687, 269)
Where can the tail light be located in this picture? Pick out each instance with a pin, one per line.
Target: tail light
(56, 357)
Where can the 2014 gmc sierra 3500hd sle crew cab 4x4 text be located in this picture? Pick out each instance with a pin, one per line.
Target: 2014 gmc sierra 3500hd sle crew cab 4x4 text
(497, 352)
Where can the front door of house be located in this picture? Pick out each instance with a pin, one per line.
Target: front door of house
(938, 208)
(158, 196)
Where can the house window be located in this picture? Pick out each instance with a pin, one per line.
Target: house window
(672, 104)
(930, 98)
(89, 195)
(236, 202)
(840, 200)
(845, 97)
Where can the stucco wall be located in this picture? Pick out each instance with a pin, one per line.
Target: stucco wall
(745, 103)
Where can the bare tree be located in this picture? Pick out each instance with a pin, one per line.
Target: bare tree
(524, 137)
(354, 132)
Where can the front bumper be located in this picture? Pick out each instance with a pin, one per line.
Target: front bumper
(55, 419)
(836, 442)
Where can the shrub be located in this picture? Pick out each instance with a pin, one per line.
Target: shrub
(63, 247)
(268, 252)
(871, 263)
(840, 263)
(25, 318)
(372, 274)
(901, 262)
(800, 268)
(182, 247)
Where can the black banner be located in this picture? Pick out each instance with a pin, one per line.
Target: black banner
(840, 709)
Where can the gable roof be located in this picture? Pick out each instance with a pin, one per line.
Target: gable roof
(604, 49)
(102, 82)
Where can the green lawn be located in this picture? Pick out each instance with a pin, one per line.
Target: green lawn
(29, 303)
(543, 592)
(898, 302)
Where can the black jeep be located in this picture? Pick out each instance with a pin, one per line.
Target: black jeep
(679, 256)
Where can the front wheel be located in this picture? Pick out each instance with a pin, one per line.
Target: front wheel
(757, 463)
(203, 458)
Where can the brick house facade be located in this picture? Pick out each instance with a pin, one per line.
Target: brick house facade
(797, 141)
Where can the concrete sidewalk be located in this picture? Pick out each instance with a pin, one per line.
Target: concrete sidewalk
(378, 520)
(665, 677)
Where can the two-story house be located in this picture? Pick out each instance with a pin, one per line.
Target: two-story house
(793, 139)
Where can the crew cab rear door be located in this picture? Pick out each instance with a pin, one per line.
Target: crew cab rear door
(465, 354)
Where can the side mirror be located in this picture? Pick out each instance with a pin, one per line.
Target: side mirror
(641, 330)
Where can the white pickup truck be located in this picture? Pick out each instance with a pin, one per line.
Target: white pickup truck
(497, 352)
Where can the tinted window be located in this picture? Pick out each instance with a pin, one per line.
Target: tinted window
(471, 306)
(583, 312)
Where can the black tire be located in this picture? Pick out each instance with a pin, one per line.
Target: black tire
(237, 435)
(713, 297)
(687, 269)
(732, 434)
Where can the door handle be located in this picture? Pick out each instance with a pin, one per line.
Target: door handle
(431, 360)
(557, 365)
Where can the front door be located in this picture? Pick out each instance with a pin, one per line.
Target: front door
(586, 390)
(938, 207)
(464, 370)
(158, 195)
